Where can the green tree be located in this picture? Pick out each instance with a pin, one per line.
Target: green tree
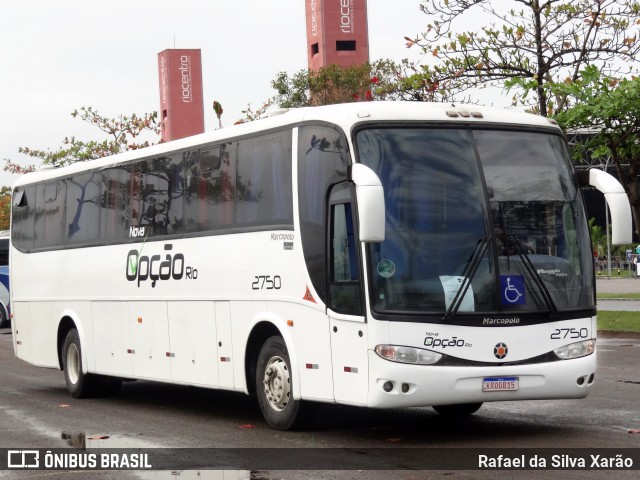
(525, 45)
(251, 114)
(611, 109)
(404, 80)
(122, 133)
(327, 85)
(380, 80)
(598, 238)
(5, 207)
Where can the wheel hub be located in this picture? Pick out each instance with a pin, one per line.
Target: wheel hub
(277, 383)
(73, 364)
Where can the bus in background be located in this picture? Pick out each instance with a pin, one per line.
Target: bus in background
(375, 254)
(5, 312)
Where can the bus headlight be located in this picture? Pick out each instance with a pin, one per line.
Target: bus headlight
(576, 350)
(416, 356)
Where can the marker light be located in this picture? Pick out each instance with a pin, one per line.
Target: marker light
(416, 356)
(576, 350)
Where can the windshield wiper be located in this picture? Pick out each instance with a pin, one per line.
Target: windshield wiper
(537, 279)
(468, 273)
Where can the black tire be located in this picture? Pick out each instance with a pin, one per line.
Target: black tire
(460, 410)
(79, 384)
(4, 318)
(274, 388)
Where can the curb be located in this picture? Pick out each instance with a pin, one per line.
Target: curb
(618, 334)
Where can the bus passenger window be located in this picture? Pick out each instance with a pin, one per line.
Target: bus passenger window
(23, 218)
(114, 217)
(82, 215)
(161, 197)
(209, 176)
(49, 218)
(263, 182)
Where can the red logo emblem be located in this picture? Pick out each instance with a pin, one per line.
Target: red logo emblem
(500, 351)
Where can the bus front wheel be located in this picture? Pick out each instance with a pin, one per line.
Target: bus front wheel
(274, 388)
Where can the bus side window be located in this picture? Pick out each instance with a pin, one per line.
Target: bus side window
(263, 182)
(344, 285)
(23, 218)
(50, 211)
(82, 216)
(114, 207)
(161, 205)
(345, 266)
(209, 178)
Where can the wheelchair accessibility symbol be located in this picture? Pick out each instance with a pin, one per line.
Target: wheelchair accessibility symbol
(512, 289)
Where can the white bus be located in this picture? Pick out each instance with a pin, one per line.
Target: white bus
(373, 254)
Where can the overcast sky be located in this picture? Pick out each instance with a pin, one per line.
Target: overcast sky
(59, 55)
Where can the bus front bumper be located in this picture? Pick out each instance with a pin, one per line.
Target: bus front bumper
(393, 385)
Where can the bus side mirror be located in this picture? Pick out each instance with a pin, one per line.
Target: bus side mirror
(618, 203)
(370, 198)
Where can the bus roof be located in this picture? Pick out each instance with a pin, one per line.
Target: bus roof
(344, 115)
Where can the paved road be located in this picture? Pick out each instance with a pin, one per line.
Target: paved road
(619, 305)
(36, 411)
(618, 285)
(621, 286)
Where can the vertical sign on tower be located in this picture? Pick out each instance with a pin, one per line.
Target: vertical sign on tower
(337, 33)
(181, 105)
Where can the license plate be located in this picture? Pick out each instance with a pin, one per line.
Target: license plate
(500, 384)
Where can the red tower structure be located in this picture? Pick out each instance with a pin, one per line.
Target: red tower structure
(337, 33)
(181, 104)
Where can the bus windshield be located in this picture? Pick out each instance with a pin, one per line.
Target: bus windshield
(477, 221)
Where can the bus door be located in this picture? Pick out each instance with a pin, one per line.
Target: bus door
(345, 304)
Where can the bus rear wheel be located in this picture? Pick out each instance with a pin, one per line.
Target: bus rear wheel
(460, 410)
(274, 388)
(80, 384)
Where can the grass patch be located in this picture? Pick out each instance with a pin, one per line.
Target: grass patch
(626, 296)
(621, 321)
